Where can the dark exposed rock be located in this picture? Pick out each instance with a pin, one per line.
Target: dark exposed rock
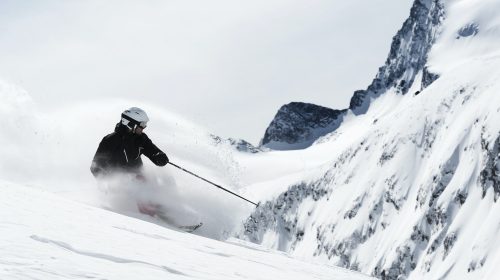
(403, 265)
(387, 155)
(448, 243)
(408, 54)
(390, 193)
(419, 235)
(476, 264)
(239, 144)
(341, 249)
(359, 100)
(278, 214)
(430, 131)
(297, 125)
(442, 181)
(354, 210)
(461, 197)
(428, 77)
(436, 217)
(243, 146)
(490, 175)
(468, 30)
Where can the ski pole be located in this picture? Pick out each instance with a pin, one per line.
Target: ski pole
(218, 186)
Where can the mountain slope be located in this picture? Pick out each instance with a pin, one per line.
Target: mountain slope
(405, 192)
(411, 187)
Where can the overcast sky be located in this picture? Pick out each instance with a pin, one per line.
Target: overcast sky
(227, 65)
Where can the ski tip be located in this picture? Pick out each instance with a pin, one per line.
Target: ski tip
(191, 228)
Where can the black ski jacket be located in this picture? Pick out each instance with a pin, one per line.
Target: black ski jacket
(122, 150)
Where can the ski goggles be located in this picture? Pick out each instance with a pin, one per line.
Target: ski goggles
(143, 125)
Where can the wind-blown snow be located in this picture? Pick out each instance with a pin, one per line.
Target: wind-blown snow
(53, 150)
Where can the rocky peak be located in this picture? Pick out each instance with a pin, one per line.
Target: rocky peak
(408, 55)
(297, 125)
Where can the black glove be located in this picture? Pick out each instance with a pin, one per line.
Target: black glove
(160, 159)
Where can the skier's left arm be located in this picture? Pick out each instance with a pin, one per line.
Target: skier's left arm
(156, 155)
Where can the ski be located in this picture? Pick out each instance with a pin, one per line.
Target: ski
(187, 228)
(191, 228)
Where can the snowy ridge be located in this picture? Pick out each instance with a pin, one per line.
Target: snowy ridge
(411, 187)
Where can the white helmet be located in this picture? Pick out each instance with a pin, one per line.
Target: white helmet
(134, 117)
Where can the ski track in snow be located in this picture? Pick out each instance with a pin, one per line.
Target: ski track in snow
(102, 256)
(155, 236)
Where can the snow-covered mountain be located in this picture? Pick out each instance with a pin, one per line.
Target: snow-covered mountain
(407, 58)
(407, 186)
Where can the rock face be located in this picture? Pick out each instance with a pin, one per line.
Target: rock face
(297, 125)
(408, 54)
(407, 58)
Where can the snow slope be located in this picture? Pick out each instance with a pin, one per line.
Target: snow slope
(47, 237)
(407, 193)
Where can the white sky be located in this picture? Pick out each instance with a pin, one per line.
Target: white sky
(227, 65)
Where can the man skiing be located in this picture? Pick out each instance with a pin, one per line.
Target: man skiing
(121, 150)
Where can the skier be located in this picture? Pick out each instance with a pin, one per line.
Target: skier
(121, 151)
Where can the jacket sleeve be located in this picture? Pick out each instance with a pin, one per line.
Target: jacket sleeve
(100, 160)
(156, 155)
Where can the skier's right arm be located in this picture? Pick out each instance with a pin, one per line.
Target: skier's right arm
(100, 161)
